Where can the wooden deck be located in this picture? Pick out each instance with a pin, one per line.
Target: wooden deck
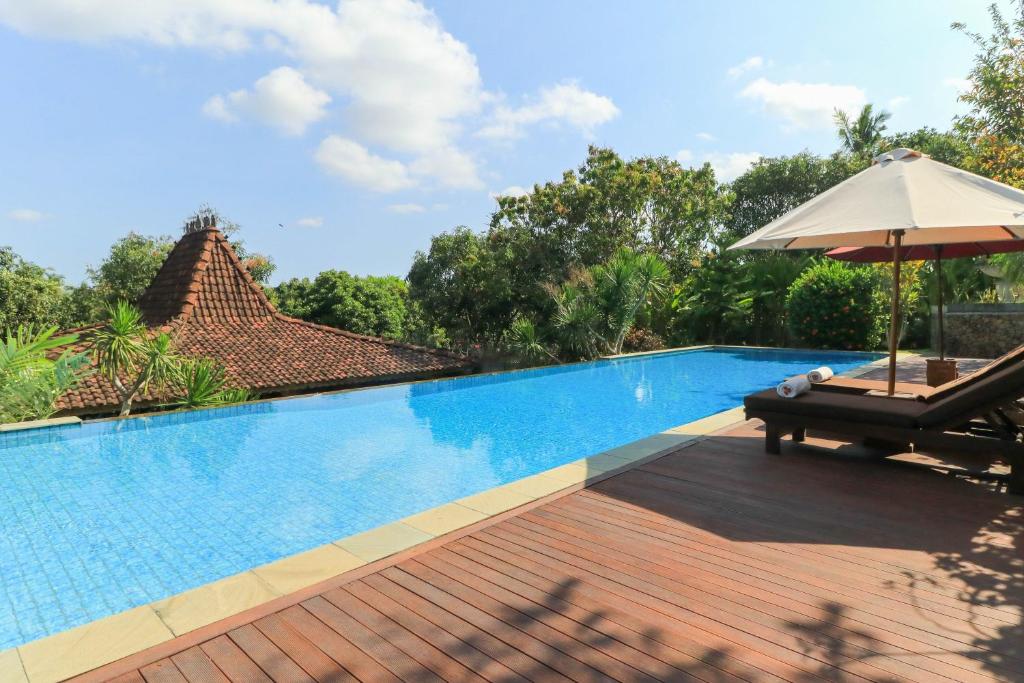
(715, 563)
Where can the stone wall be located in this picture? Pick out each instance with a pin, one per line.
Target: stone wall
(981, 330)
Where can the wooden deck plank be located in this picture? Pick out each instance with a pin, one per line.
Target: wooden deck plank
(268, 656)
(889, 643)
(631, 663)
(197, 667)
(162, 672)
(788, 567)
(362, 666)
(223, 652)
(698, 649)
(628, 646)
(312, 659)
(716, 563)
(470, 657)
(428, 656)
(522, 664)
(391, 657)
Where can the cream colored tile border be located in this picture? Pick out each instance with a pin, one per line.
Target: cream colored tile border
(91, 645)
(39, 424)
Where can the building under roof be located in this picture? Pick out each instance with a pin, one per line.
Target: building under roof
(205, 298)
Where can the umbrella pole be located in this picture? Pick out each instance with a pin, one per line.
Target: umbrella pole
(894, 323)
(938, 273)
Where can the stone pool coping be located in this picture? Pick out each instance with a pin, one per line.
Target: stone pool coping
(83, 648)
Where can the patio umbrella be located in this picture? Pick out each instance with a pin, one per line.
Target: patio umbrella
(903, 199)
(929, 252)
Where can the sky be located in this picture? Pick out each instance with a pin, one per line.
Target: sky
(344, 135)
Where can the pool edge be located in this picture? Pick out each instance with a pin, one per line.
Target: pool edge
(86, 647)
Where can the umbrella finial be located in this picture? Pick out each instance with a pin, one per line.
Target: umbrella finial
(897, 154)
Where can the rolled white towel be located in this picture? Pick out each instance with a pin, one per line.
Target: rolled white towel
(819, 374)
(793, 387)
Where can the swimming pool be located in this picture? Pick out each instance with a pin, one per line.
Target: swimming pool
(102, 517)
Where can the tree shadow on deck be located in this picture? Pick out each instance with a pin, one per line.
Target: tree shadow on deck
(947, 535)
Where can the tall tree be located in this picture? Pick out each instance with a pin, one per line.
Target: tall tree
(29, 294)
(366, 305)
(476, 285)
(950, 148)
(129, 267)
(995, 121)
(775, 185)
(862, 135)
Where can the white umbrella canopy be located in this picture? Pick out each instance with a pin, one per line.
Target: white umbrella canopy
(902, 190)
(904, 198)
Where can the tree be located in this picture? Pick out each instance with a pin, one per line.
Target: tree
(130, 266)
(260, 266)
(995, 121)
(29, 294)
(475, 285)
(130, 357)
(949, 148)
(31, 379)
(594, 310)
(608, 203)
(775, 185)
(461, 287)
(367, 305)
(862, 135)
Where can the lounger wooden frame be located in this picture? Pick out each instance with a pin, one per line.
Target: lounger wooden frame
(778, 425)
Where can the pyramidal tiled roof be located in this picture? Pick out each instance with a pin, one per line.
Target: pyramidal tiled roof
(206, 299)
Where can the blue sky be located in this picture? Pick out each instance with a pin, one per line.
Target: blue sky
(365, 127)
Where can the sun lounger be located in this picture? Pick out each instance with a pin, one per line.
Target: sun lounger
(968, 419)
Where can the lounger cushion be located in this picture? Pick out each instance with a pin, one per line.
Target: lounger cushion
(971, 401)
(1014, 358)
(854, 408)
(857, 385)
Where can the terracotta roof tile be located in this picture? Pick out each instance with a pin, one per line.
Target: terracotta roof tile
(209, 302)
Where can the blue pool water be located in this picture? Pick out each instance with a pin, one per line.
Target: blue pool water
(99, 518)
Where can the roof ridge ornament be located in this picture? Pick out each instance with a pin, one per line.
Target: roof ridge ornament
(203, 219)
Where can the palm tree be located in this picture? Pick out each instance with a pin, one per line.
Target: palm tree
(130, 357)
(31, 379)
(596, 309)
(863, 134)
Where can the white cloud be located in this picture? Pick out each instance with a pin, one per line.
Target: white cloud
(407, 84)
(897, 102)
(728, 166)
(804, 105)
(356, 164)
(310, 222)
(565, 103)
(282, 99)
(448, 167)
(407, 208)
(959, 84)
(750, 64)
(706, 137)
(26, 215)
(510, 191)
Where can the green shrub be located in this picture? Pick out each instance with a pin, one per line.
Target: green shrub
(834, 305)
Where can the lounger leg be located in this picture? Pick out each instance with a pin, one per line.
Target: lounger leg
(1016, 482)
(799, 434)
(772, 439)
